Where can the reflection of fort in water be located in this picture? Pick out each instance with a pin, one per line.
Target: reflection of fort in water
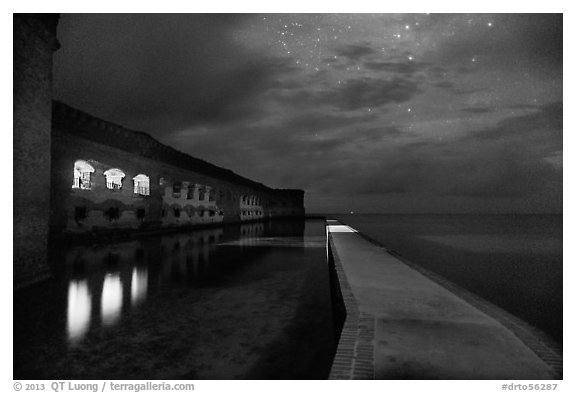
(108, 280)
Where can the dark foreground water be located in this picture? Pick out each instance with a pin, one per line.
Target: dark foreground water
(248, 302)
(513, 261)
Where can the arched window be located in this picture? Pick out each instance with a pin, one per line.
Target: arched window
(141, 184)
(114, 178)
(82, 171)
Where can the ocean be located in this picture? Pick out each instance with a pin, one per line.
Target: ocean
(513, 261)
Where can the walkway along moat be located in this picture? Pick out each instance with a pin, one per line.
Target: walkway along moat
(247, 301)
(401, 324)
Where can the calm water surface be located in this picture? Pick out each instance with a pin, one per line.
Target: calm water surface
(514, 261)
(248, 302)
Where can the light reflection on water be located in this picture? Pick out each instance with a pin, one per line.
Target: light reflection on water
(186, 255)
(111, 298)
(139, 284)
(79, 309)
(207, 298)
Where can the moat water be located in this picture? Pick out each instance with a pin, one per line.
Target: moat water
(238, 302)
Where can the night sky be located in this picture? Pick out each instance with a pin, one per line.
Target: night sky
(394, 113)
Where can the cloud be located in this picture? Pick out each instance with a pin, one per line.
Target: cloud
(370, 93)
(163, 72)
(407, 68)
(519, 157)
(445, 85)
(477, 110)
(355, 52)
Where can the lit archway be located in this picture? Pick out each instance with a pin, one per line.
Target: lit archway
(141, 184)
(114, 178)
(82, 171)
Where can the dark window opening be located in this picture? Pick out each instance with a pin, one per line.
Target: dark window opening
(163, 212)
(112, 213)
(176, 188)
(140, 213)
(220, 213)
(212, 213)
(79, 213)
(176, 212)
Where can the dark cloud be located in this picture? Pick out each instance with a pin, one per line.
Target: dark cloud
(371, 92)
(445, 85)
(477, 110)
(407, 68)
(464, 92)
(523, 106)
(355, 52)
(536, 130)
(508, 160)
(182, 69)
(324, 121)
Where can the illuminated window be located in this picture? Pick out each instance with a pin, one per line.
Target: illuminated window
(114, 178)
(141, 185)
(82, 171)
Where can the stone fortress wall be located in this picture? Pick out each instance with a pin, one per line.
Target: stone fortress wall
(105, 177)
(34, 43)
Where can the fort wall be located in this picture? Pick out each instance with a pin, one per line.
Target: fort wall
(180, 191)
(34, 44)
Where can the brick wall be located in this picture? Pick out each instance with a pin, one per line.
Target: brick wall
(184, 191)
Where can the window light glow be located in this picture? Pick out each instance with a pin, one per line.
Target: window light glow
(114, 178)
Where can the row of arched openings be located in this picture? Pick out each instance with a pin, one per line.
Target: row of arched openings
(83, 178)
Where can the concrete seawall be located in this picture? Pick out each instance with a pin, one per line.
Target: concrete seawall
(402, 324)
